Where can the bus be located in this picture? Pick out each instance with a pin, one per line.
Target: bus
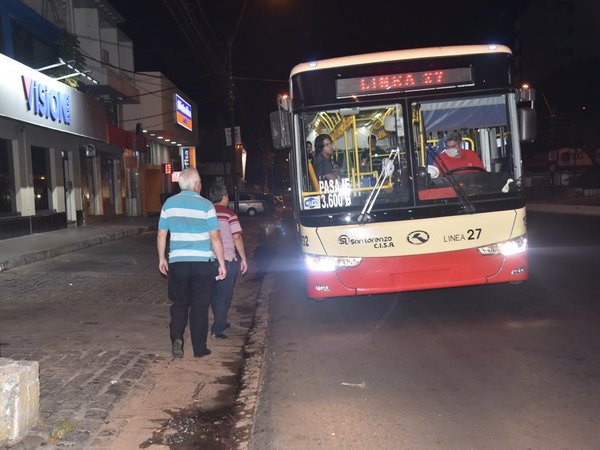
(388, 219)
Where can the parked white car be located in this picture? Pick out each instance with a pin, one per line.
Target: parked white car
(249, 204)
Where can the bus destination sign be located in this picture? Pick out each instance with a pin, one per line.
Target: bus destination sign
(400, 82)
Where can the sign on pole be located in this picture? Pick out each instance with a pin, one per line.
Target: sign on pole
(183, 112)
(238, 137)
(188, 157)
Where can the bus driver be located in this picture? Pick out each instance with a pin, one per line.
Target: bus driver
(455, 157)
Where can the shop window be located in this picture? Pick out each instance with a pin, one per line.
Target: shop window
(30, 50)
(2, 49)
(41, 178)
(112, 112)
(7, 197)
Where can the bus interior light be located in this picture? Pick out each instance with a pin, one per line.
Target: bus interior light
(506, 248)
(318, 263)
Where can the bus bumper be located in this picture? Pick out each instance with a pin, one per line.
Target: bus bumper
(409, 273)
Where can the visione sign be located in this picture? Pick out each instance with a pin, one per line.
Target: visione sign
(29, 96)
(47, 102)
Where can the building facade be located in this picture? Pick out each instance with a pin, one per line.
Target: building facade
(166, 118)
(56, 165)
(72, 118)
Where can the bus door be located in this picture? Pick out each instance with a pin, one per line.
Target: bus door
(364, 138)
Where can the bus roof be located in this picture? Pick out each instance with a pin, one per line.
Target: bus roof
(398, 55)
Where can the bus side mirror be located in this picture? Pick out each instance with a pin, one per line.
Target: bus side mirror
(280, 129)
(527, 124)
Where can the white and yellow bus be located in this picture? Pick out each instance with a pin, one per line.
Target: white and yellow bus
(389, 219)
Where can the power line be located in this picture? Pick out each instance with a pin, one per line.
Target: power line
(267, 80)
(117, 67)
(149, 117)
(185, 19)
(172, 112)
(139, 73)
(206, 25)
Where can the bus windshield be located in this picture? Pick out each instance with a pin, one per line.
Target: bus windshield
(406, 154)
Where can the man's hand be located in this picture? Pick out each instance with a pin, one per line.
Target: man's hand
(222, 273)
(243, 266)
(161, 245)
(217, 246)
(163, 266)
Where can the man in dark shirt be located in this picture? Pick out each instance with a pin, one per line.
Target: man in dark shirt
(325, 167)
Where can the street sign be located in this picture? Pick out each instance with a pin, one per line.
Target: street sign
(188, 157)
(238, 137)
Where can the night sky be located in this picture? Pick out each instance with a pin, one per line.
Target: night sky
(275, 35)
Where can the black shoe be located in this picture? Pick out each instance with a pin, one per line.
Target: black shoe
(177, 348)
(220, 335)
(204, 352)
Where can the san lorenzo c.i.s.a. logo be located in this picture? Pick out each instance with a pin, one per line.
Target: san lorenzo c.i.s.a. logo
(417, 237)
(376, 241)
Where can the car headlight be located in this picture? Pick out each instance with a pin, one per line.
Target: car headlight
(318, 263)
(506, 248)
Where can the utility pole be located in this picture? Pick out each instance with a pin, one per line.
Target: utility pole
(234, 174)
(231, 84)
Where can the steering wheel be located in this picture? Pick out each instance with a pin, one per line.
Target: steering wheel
(460, 169)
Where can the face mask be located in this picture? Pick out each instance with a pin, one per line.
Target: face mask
(452, 152)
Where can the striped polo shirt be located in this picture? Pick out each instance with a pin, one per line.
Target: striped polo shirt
(230, 225)
(189, 218)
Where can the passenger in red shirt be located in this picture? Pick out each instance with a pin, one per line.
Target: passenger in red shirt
(455, 157)
(231, 235)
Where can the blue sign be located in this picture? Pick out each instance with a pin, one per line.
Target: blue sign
(185, 158)
(183, 112)
(46, 102)
(312, 203)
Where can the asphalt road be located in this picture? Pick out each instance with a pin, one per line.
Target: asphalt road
(485, 367)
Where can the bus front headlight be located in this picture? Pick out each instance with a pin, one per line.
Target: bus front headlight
(506, 248)
(319, 263)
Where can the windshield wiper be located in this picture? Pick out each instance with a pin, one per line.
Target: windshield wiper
(387, 169)
(463, 198)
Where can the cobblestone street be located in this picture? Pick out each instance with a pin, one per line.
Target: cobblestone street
(96, 321)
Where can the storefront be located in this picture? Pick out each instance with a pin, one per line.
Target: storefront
(55, 165)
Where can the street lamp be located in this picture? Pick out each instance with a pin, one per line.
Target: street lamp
(231, 84)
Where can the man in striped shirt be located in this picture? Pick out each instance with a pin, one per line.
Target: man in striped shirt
(231, 234)
(195, 240)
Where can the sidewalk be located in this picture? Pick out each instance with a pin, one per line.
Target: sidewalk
(562, 208)
(113, 380)
(36, 247)
(579, 206)
(563, 202)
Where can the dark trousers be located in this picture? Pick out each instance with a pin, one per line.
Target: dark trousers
(190, 286)
(222, 294)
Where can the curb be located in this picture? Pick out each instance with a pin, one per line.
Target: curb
(554, 208)
(252, 376)
(40, 255)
